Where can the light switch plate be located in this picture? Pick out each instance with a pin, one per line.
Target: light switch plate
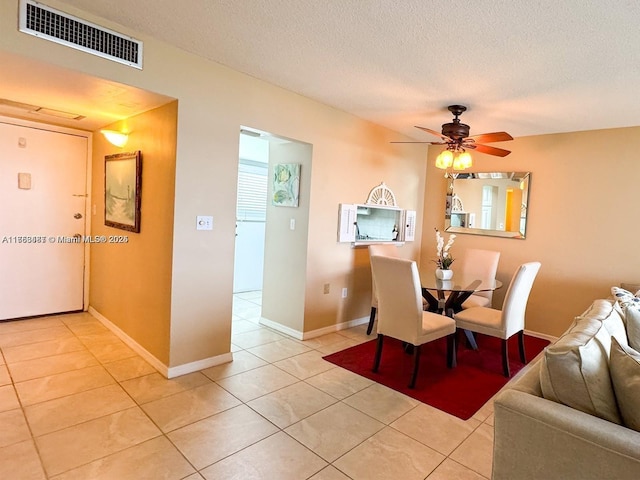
(204, 222)
(24, 181)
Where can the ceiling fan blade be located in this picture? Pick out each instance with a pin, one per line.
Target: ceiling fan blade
(430, 143)
(491, 137)
(498, 152)
(433, 132)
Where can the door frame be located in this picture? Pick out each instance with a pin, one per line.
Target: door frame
(88, 203)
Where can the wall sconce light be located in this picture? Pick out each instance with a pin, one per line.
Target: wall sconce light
(455, 157)
(118, 139)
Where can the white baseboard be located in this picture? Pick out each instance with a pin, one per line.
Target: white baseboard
(282, 328)
(313, 333)
(544, 336)
(199, 365)
(168, 372)
(335, 328)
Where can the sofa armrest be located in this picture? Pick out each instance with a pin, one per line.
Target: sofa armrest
(535, 438)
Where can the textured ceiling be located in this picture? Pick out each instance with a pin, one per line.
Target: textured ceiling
(526, 67)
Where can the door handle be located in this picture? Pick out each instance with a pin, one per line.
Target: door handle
(77, 216)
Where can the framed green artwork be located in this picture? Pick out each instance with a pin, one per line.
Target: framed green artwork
(286, 184)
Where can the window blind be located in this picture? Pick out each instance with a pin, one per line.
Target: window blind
(252, 191)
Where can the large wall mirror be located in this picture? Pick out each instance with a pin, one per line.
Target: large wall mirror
(488, 203)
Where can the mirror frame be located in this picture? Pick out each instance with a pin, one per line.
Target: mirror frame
(453, 202)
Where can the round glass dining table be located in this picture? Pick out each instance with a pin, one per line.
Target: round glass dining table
(459, 288)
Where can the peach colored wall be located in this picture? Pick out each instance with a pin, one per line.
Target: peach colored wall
(581, 222)
(130, 283)
(365, 159)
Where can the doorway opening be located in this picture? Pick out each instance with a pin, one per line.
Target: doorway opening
(251, 213)
(271, 230)
(251, 218)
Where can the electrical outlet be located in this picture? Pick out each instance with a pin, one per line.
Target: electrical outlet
(327, 288)
(344, 293)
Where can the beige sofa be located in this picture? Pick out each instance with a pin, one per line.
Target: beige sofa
(563, 433)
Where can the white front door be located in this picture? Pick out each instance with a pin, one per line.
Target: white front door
(43, 188)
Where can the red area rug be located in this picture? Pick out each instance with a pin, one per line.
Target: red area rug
(460, 391)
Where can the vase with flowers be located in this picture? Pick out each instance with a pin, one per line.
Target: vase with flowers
(444, 260)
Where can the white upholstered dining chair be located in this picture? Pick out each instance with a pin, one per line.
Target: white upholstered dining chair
(400, 312)
(385, 250)
(477, 263)
(506, 322)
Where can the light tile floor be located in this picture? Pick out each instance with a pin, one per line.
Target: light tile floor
(77, 403)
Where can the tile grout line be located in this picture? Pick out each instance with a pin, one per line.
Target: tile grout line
(298, 380)
(116, 382)
(445, 457)
(24, 414)
(338, 400)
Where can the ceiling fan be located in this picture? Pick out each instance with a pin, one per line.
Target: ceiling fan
(456, 136)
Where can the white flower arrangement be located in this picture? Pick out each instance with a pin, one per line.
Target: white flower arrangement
(445, 259)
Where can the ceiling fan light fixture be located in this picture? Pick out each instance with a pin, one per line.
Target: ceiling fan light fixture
(457, 164)
(445, 159)
(455, 135)
(465, 160)
(455, 158)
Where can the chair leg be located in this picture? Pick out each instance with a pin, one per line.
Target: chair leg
(372, 318)
(376, 360)
(471, 339)
(523, 355)
(505, 359)
(416, 364)
(452, 351)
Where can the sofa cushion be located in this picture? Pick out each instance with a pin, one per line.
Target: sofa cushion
(604, 310)
(575, 369)
(625, 375)
(630, 307)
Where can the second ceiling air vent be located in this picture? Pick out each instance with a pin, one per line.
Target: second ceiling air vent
(45, 22)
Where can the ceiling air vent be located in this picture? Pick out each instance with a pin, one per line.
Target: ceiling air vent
(45, 22)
